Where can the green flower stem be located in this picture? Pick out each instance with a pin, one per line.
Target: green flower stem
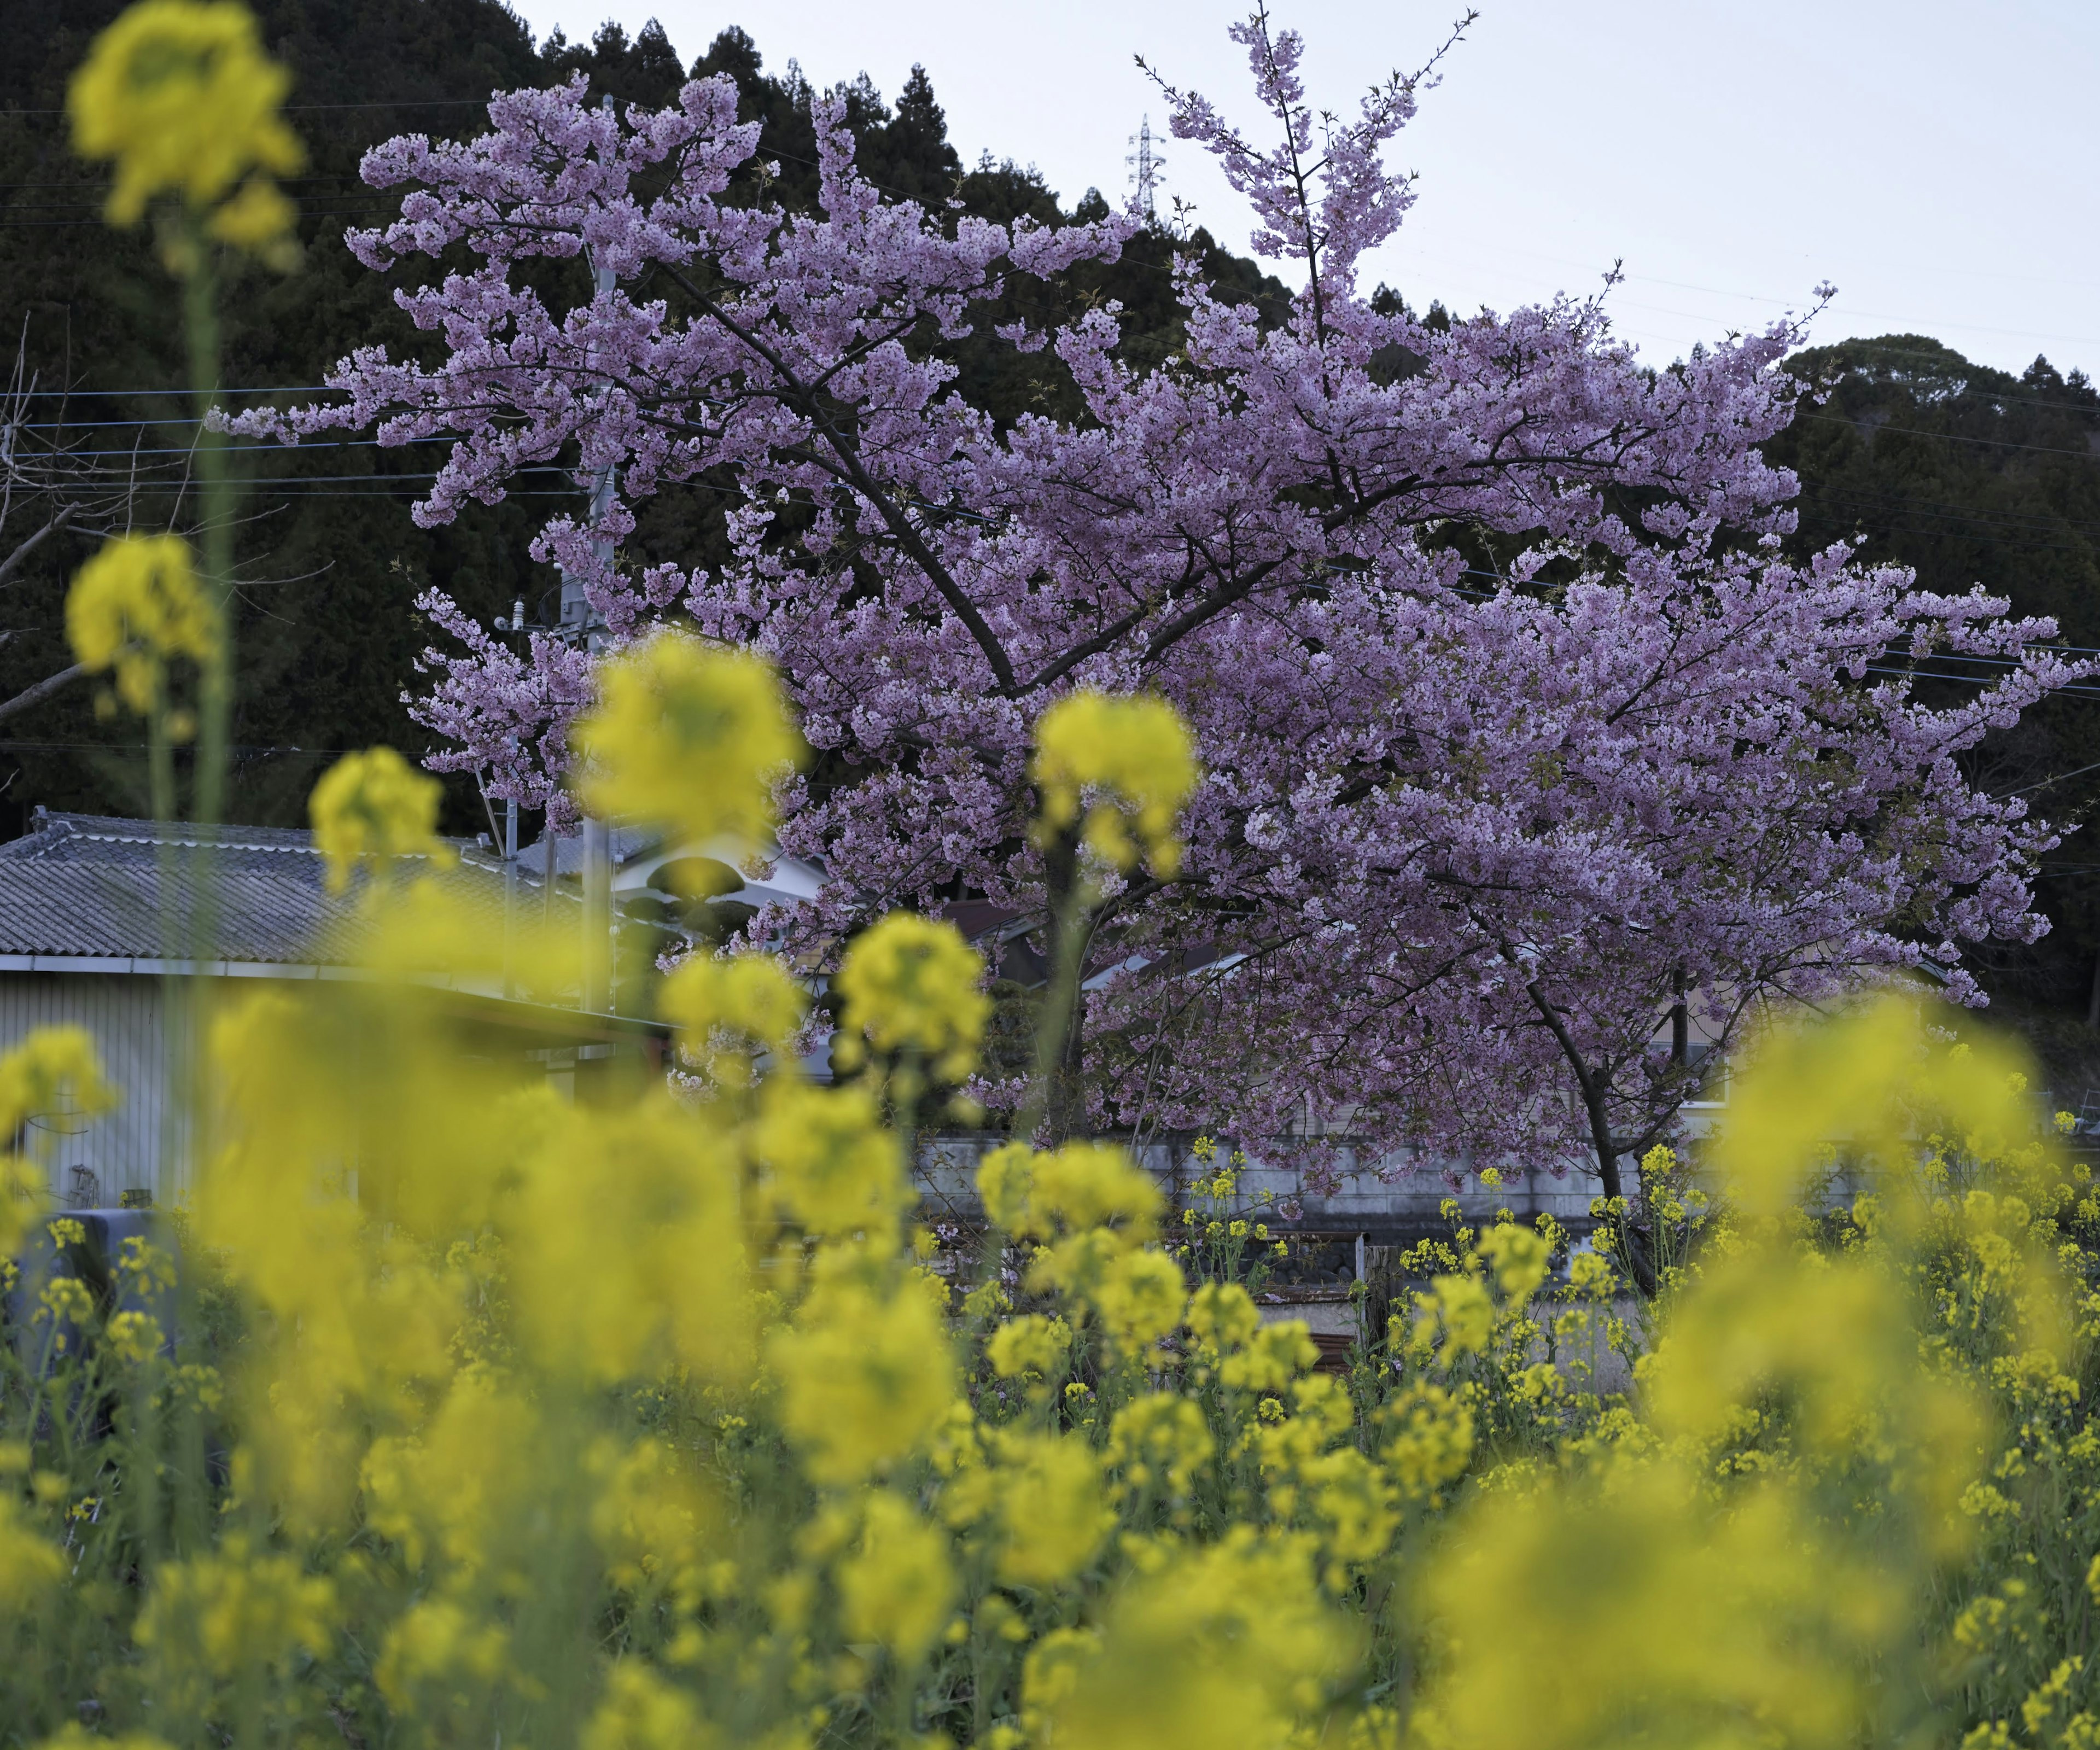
(215, 676)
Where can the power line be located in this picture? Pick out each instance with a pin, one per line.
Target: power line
(1953, 437)
(288, 388)
(382, 102)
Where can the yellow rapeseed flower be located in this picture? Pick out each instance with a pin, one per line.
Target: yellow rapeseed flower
(866, 1376)
(1223, 1315)
(1082, 1186)
(641, 1711)
(1428, 1438)
(52, 1069)
(688, 737)
(1139, 1299)
(1224, 1647)
(181, 96)
(1030, 1344)
(1275, 1355)
(911, 983)
(370, 808)
(1138, 756)
(1052, 1518)
(625, 1246)
(438, 1644)
(896, 1585)
(830, 1167)
(1519, 1257)
(1163, 1438)
(723, 1006)
(232, 1613)
(29, 1565)
(135, 607)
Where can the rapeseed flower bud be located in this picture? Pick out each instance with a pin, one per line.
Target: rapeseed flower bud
(371, 807)
(135, 607)
(911, 983)
(1138, 758)
(688, 736)
(181, 96)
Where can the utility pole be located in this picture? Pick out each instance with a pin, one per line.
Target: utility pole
(510, 860)
(1146, 174)
(578, 615)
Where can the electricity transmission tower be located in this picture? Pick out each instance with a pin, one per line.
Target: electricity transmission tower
(1146, 164)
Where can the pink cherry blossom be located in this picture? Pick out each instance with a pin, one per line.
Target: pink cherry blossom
(1522, 736)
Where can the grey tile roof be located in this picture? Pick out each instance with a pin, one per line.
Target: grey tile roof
(625, 844)
(92, 885)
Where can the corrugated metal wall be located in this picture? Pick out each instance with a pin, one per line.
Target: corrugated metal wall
(121, 1012)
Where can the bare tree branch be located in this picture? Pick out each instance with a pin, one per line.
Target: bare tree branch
(42, 691)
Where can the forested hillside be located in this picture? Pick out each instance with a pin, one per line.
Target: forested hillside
(1975, 477)
(1970, 475)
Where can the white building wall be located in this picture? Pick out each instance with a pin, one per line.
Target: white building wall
(121, 1013)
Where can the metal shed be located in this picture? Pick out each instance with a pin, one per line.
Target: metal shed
(95, 912)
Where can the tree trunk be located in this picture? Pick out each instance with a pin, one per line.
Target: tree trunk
(1060, 1048)
(1631, 1242)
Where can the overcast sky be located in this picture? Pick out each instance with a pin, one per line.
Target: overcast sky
(1935, 159)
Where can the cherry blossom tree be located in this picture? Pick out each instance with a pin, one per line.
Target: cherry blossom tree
(1531, 761)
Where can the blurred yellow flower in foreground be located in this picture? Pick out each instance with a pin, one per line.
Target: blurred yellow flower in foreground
(688, 737)
(1140, 752)
(54, 1068)
(136, 605)
(896, 1586)
(183, 98)
(910, 984)
(371, 807)
(866, 1376)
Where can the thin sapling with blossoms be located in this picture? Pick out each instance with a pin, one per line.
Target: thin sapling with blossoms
(1521, 736)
